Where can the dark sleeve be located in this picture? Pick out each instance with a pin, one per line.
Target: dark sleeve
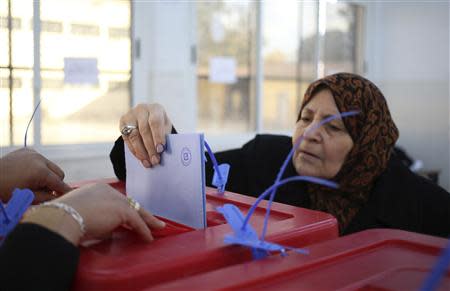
(35, 258)
(435, 209)
(404, 200)
(417, 204)
(117, 157)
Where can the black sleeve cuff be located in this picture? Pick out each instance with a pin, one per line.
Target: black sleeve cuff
(35, 258)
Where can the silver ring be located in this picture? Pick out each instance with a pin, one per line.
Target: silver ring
(127, 129)
(133, 204)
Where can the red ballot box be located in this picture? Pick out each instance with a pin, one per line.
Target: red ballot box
(378, 259)
(125, 262)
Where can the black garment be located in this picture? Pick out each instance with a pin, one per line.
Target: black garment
(35, 258)
(400, 199)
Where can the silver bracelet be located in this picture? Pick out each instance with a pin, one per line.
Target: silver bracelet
(69, 210)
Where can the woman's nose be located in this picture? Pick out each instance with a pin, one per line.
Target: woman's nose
(314, 132)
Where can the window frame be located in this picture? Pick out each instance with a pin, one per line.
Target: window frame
(62, 151)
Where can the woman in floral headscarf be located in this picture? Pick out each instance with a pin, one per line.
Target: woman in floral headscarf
(375, 189)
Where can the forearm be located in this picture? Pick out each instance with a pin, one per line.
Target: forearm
(56, 220)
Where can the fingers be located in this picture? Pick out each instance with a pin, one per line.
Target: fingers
(55, 169)
(147, 136)
(151, 220)
(156, 120)
(134, 139)
(41, 196)
(129, 145)
(148, 141)
(134, 220)
(54, 182)
(137, 145)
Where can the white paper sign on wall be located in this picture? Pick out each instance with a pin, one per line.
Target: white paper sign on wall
(222, 70)
(81, 71)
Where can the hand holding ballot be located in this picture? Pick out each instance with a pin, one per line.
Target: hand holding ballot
(176, 189)
(143, 129)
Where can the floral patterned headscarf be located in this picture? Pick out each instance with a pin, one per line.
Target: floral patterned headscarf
(373, 133)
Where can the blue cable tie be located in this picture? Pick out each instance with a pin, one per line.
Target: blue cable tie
(221, 172)
(224, 170)
(247, 236)
(6, 218)
(16, 207)
(315, 180)
(438, 271)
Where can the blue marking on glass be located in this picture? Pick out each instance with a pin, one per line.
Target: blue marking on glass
(29, 122)
(438, 271)
(289, 157)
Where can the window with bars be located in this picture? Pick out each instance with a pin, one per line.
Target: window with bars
(301, 41)
(70, 112)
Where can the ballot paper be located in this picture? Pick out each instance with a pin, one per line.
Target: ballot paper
(175, 189)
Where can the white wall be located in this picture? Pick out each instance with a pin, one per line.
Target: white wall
(408, 58)
(165, 72)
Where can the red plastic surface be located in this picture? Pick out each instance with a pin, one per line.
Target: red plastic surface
(126, 262)
(378, 259)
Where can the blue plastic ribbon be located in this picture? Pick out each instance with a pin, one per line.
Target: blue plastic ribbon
(247, 236)
(220, 177)
(269, 190)
(438, 271)
(13, 212)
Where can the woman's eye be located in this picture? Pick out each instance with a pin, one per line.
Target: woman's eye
(305, 119)
(334, 127)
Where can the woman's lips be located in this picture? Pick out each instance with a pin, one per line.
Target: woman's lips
(307, 154)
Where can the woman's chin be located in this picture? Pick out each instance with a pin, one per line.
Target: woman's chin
(306, 173)
(304, 170)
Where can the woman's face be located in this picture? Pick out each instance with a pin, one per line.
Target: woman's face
(322, 151)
